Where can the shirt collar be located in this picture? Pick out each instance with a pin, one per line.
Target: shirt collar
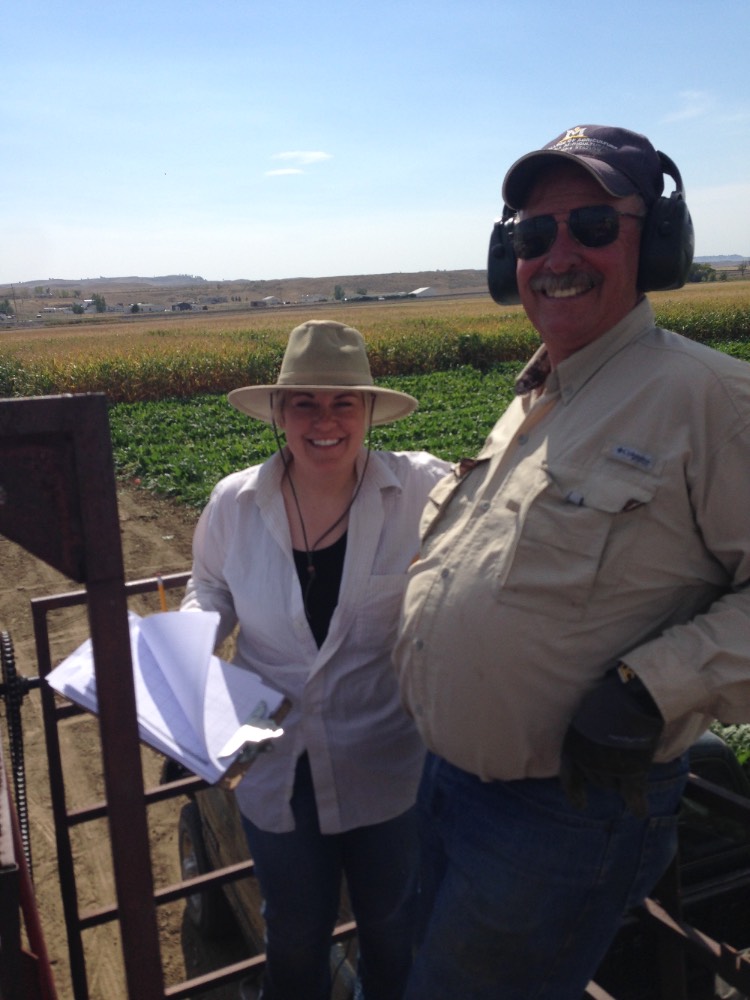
(267, 484)
(573, 373)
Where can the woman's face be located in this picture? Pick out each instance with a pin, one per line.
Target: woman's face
(324, 430)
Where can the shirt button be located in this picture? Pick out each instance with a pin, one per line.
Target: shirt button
(523, 438)
(419, 644)
(484, 506)
(444, 573)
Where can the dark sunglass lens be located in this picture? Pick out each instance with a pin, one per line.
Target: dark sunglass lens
(533, 237)
(596, 226)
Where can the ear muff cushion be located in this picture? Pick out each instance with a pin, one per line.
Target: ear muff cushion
(501, 264)
(667, 245)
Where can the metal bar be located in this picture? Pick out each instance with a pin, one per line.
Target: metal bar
(60, 503)
(65, 864)
(211, 980)
(595, 992)
(98, 810)
(10, 933)
(64, 819)
(671, 954)
(730, 804)
(10, 900)
(123, 776)
(29, 684)
(72, 598)
(231, 973)
(171, 893)
(721, 958)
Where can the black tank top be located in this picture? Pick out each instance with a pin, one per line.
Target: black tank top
(320, 589)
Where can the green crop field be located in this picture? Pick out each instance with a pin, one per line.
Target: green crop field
(166, 377)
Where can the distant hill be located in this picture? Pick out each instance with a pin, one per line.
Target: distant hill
(158, 282)
(164, 291)
(730, 259)
(168, 289)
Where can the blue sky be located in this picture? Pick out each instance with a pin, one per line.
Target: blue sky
(284, 138)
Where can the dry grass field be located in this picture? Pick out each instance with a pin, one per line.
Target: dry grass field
(111, 335)
(154, 331)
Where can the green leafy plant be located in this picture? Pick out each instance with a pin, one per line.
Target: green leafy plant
(738, 739)
(182, 447)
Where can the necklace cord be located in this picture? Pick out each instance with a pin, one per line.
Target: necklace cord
(309, 549)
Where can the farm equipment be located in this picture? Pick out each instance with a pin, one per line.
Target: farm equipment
(711, 882)
(58, 500)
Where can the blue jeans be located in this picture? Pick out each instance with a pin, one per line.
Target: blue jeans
(300, 879)
(523, 892)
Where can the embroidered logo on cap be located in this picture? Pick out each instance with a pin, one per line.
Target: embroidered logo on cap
(575, 140)
(579, 132)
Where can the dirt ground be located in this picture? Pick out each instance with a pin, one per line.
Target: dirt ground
(156, 537)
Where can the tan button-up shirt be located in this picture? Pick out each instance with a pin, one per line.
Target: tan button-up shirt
(607, 518)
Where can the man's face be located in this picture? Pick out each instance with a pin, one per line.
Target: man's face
(573, 293)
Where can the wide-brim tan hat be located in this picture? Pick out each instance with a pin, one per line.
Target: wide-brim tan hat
(324, 356)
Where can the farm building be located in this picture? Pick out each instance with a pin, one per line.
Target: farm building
(423, 293)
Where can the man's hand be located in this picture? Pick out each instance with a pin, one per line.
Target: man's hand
(611, 740)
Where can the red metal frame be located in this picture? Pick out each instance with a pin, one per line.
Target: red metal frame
(76, 920)
(59, 501)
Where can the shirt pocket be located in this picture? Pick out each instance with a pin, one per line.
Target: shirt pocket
(575, 535)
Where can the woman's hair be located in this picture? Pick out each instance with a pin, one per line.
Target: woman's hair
(278, 402)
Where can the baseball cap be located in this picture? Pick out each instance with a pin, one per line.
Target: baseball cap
(622, 162)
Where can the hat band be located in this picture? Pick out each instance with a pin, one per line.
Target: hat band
(325, 378)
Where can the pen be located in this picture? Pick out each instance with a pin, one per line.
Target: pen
(162, 593)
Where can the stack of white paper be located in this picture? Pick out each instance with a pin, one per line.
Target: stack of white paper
(192, 706)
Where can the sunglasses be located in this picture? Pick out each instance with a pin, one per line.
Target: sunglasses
(593, 226)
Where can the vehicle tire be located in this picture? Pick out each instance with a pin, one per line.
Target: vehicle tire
(208, 910)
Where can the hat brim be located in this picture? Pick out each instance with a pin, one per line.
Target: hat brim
(255, 400)
(522, 174)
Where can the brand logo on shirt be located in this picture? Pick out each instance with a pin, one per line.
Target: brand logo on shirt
(631, 456)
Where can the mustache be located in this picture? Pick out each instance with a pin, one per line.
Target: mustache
(573, 280)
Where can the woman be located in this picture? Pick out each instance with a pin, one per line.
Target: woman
(308, 554)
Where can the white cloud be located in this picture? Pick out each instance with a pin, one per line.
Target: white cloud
(303, 157)
(284, 172)
(696, 104)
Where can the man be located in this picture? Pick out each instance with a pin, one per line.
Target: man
(579, 612)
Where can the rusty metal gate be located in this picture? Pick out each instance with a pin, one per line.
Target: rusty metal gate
(58, 501)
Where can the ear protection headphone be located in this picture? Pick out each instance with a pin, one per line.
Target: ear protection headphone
(666, 252)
